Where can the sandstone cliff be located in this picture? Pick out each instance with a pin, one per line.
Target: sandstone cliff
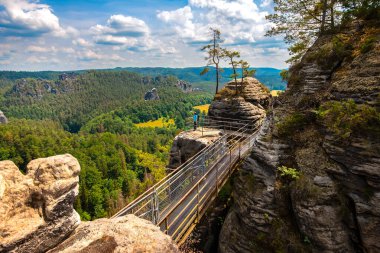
(36, 210)
(326, 129)
(249, 104)
(37, 215)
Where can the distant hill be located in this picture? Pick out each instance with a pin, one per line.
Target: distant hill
(268, 76)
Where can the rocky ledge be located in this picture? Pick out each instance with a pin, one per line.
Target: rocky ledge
(37, 214)
(187, 144)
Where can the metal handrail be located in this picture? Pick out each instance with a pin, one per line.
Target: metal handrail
(162, 200)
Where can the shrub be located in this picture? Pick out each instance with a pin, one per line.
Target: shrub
(290, 124)
(288, 174)
(343, 118)
(368, 44)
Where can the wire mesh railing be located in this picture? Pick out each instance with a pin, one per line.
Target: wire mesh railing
(179, 199)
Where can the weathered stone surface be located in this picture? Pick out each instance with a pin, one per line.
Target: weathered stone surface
(152, 95)
(250, 103)
(124, 234)
(334, 205)
(187, 144)
(3, 119)
(36, 210)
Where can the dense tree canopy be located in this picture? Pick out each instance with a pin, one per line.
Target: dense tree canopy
(92, 116)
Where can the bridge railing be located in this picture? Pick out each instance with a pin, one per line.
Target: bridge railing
(178, 222)
(181, 197)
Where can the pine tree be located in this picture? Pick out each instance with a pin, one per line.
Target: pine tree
(302, 21)
(214, 52)
(231, 56)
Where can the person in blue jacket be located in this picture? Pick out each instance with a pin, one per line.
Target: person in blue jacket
(195, 119)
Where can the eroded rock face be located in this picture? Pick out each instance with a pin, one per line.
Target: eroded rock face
(3, 119)
(36, 210)
(152, 95)
(124, 234)
(334, 205)
(187, 144)
(253, 97)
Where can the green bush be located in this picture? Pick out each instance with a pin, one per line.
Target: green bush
(343, 118)
(290, 124)
(289, 174)
(368, 44)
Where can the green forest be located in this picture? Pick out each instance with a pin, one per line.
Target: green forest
(92, 116)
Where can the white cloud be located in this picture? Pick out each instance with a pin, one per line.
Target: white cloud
(265, 3)
(240, 21)
(90, 55)
(125, 31)
(82, 42)
(30, 18)
(38, 49)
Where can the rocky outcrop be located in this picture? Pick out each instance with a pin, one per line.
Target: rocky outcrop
(187, 144)
(249, 104)
(123, 234)
(37, 214)
(152, 95)
(333, 205)
(36, 210)
(184, 86)
(3, 119)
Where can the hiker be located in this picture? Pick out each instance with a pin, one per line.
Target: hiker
(195, 119)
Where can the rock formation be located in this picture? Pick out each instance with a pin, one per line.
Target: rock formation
(334, 203)
(37, 214)
(3, 119)
(151, 95)
(184, 86)
(124, 234)
(250, 103)
(187, 144)
(36, 210)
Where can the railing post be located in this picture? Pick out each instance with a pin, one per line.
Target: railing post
(197, 219)
(217, 172)
(155, 211)
(166, 226)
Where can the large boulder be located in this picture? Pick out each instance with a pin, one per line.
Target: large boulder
(3, 119)
(249, 103)
(36, 209)
(187, 144)
(123, 234)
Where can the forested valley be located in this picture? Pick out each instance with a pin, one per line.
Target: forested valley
(92, 115)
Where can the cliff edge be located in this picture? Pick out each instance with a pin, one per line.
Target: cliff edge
(312, 181)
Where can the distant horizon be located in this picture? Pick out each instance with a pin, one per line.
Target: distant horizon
(76, 70)
(49, 35)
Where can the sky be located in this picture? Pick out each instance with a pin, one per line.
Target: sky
(94, 34)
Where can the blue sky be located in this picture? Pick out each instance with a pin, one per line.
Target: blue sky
(78, 34)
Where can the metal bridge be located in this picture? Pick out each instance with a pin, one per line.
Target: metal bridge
(178, 201)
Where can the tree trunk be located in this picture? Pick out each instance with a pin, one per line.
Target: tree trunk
(332, 25)
(324, 10)
(217, 78)
(236, 90)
